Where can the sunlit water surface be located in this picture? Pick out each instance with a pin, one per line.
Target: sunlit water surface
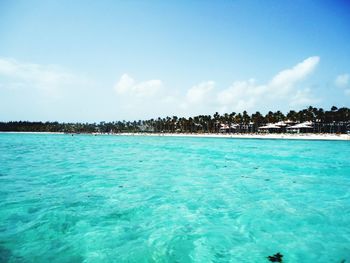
(157, 199)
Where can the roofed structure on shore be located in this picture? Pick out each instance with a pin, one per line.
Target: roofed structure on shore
(301, 127)
(270, 126)
(227, 128)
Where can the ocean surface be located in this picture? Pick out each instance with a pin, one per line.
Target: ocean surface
(94, 199)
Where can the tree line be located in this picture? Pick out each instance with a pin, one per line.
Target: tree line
(335, 120)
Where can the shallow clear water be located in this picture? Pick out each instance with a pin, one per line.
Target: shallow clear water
(159, 199)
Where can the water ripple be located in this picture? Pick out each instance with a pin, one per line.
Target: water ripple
(149, 199)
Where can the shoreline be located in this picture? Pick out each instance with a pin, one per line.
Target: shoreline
(277, 136)
(281, 136)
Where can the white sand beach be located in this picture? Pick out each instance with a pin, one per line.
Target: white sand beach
(286, 136)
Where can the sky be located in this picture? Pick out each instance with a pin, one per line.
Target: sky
(91, 61)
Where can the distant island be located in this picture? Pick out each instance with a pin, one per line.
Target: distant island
(309, 120)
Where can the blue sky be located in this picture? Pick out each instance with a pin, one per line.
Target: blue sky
(115, 60)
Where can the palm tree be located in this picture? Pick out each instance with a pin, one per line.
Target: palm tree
(258, 120)
(270, 117)
(216, 118)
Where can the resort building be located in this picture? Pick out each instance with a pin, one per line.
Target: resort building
(301, 128)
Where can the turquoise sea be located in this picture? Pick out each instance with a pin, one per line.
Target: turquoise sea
(90, 198)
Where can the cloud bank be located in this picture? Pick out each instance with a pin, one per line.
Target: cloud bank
(128, 86)
(139, 99)
(47, 78)
(206, 98)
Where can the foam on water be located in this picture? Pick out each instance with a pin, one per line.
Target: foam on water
(159, 199)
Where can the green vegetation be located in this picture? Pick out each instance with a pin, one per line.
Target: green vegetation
(333, 121)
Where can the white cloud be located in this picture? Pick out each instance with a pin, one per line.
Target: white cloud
(124, 84)
(303, 98)
(241, 94)
(48, 78)
(128, 86)
(199, 99)
(284, 81)
(200, 93)
(342, 81)
(151, 98)
(143, 99)
(281, 92)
